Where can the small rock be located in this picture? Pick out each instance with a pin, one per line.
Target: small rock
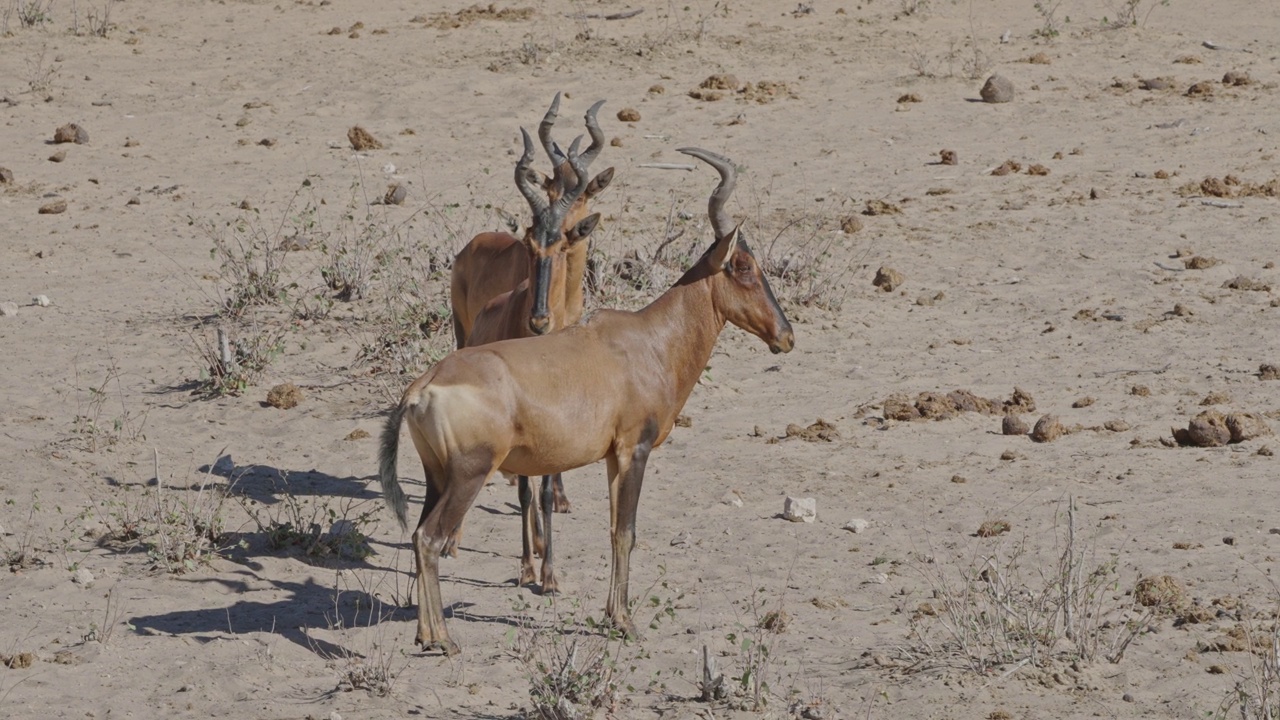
(719, 81)
(856, 526)
(998, 89)
(1083, 402)
(1127, 697)
(616, 142)
(800, 509)
(41, 300)
(71, 133)
(1236, 77)
(6, 176)
(58, 156)
(362, 139)
(887, 279)
(1039, 59)
(910, 98)
(1047, 429)
(1037, 169)
(82, 577)
(1200, 89)
(656, 89)
(334, 715)
(1013, 425)
(396, 193)
(130, 142)
(1159, 83)
(8, 309)
(948, 157)
(135, 200)
(267, 142)
(1116, 425)
(56, 206)
(731, 498)
(1229, 540)
(1268, 371)
(878, 579)
(681, 540)
(629, 115)
(357, 434)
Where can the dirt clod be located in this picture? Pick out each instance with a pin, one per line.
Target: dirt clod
(629, 115)
(1268, 371)
(58, 156)
(1039, 59)
(71, 133)
(1007, 167)
(362, 139)
(909, 98)
(1140, 391)
(888, 279)
(1241, 282)
(1159, 591)
(18, 661)
(1208, 429)
(357, 434)
(1048, 428)
(720, 81)
(1200, 89)
(1037, 169)
(1200, 262)
(881, 207)
(997, 89)
(850, 224)
(992, 528)
(1247, 426)
(820, 431)
(948, 157)
(1083, 402)
(395, 195)
(6, 176)
(284, 396)
(1236, 78)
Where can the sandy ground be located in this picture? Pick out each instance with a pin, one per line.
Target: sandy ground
(1068, 285)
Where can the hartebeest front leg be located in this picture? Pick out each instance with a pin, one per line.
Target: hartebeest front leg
(549, 584)
(626, 475)
(528, 532)
(561, 503)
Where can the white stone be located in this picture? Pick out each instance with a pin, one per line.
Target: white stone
(731, 498)
(857, 525)
(8, 309)
(83, 577)
(879, 579)
(334, 715)
(800, 509)
(41, 300)
(389, 169)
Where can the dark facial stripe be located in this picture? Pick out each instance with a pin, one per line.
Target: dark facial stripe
(541, 287)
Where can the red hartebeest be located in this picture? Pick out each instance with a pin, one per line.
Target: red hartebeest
(494, 263)
(609, 388)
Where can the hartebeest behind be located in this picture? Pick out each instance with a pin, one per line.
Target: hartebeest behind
(494, 263)
(609, 388)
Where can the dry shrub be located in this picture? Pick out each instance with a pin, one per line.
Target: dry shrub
(1004, 609)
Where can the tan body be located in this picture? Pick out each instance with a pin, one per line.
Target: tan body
(609, 389)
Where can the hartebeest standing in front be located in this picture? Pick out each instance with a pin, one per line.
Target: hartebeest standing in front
(494, 263)
(609, 388)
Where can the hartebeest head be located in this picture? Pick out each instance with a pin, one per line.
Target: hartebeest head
(547, 236)
(564, 176)
(740, 291)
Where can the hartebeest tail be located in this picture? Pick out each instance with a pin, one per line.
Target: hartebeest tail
(387, 460)
(610, 388)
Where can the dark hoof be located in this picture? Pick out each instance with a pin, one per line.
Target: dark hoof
(549, 588)
(446, 647)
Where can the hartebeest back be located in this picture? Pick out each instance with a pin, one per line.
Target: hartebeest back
(608, 388)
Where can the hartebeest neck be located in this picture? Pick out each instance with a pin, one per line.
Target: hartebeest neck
(690, 323)
(575, 271)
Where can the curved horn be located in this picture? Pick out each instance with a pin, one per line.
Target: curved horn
(597, 135)
(571, 195)
(544, 131)
(720, 220)
(537, 203)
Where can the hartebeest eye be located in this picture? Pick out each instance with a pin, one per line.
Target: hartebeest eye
(743, 268)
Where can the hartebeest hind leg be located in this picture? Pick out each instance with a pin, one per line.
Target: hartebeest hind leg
(549, 584)
(446, 503)
(626, 475)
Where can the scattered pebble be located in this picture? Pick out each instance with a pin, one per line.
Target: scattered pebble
(731, 498)
(357, 434)
(41, 300)
(54, 207)
(948, 157)
(6, 176)
(82, 577)
(800, 509)
(58, 156)
(682, 540)
(850, 224)
(8, 309)
(910, 98)
(998, 89)
(1039, 59)
(629, 115)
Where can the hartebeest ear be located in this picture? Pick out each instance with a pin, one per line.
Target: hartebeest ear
(599, 183)
(584, 228)
(722, 252)
(537, 178)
